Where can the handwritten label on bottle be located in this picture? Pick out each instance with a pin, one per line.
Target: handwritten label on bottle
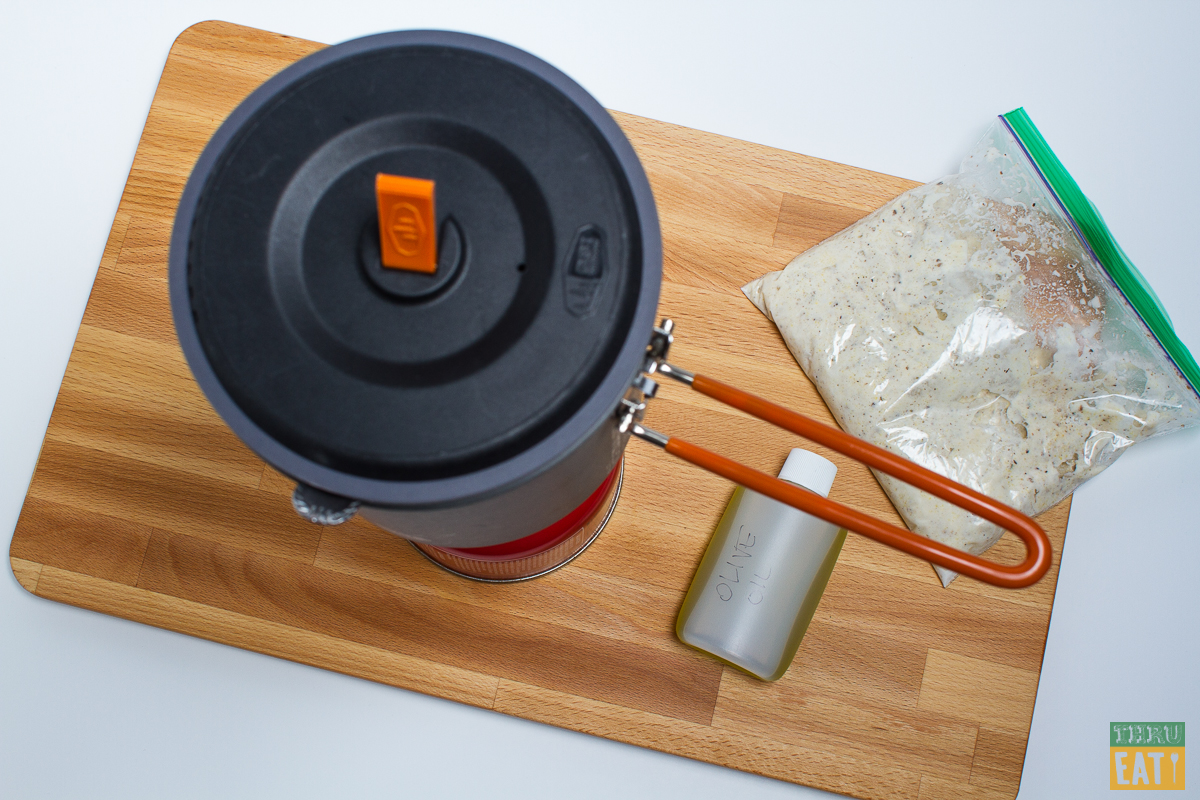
(731, 571)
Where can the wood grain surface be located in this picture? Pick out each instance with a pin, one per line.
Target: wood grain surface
(145, 506)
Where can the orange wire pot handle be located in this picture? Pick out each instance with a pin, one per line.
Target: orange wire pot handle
(1037, 546)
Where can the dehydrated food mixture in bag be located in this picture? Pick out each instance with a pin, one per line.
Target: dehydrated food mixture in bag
(987, 327)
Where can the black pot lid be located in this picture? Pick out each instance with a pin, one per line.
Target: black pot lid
(349, 375)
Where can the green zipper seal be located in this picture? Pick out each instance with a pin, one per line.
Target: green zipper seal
(1108, 253)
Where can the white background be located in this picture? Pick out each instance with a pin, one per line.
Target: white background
(92, 706)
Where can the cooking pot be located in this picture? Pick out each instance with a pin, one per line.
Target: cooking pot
(480, 410)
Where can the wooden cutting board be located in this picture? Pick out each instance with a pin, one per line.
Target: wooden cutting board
(145, 506)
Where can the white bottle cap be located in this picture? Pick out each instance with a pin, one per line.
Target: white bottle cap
(809, 470)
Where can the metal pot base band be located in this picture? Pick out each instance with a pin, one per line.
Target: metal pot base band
(537, 564)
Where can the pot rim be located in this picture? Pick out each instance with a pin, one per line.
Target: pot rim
(456, 490)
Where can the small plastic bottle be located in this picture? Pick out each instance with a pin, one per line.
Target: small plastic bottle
(763, 574)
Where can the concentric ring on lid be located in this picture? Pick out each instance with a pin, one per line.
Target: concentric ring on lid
(335, 370)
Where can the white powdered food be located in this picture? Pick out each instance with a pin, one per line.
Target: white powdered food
(965, 326)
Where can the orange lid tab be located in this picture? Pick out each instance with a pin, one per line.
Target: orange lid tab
(407, 224)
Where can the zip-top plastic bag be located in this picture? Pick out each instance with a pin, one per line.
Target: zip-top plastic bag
(988, 327)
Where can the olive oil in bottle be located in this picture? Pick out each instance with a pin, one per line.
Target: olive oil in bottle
(763, 574)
